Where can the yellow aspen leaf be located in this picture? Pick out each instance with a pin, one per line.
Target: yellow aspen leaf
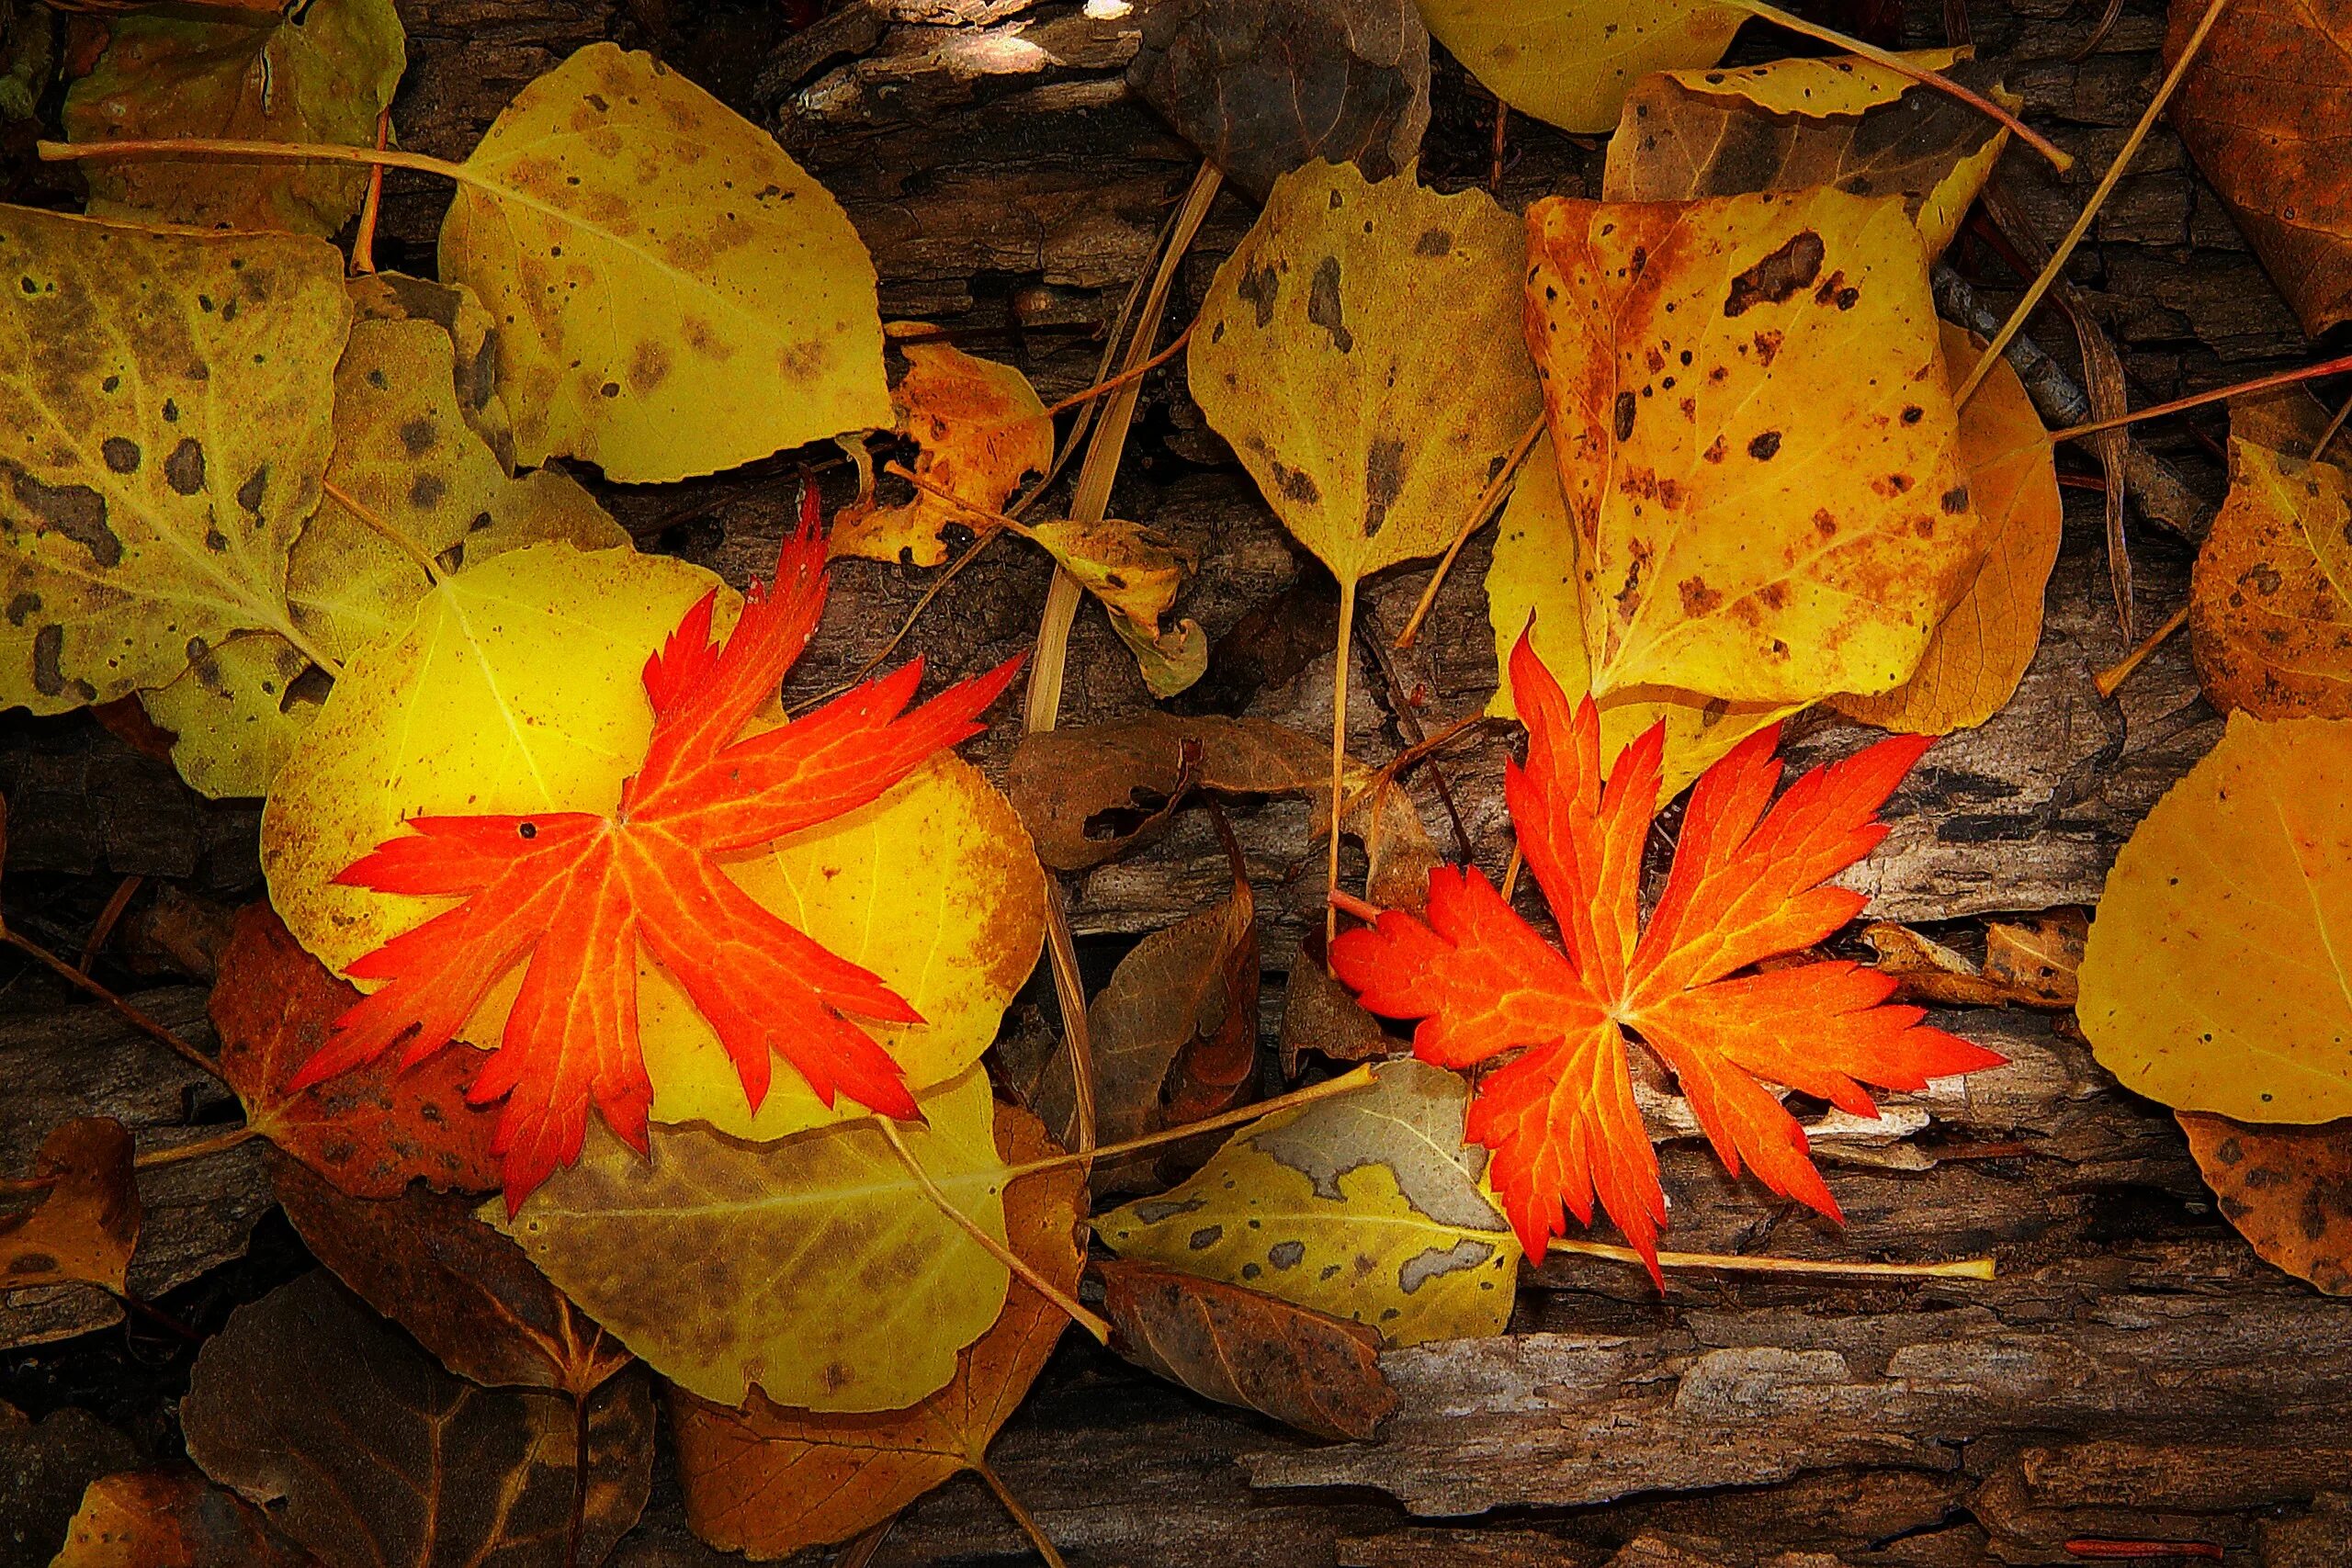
(1571, 62)
(2270, 598)
(1533, 586)
(1985, 642)
(2214, 977)
(235, 712)
(163, 425)
(675, 296)
(768, 1479)
(1791, 124)
(823, 1275)
(396, 297)
(981, 430)
(320, 72)
(1366, 1206)
(1759, 448)
(516, 686)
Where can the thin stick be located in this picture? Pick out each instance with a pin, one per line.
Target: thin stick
(2219, 394)
(109, 917)
(1489, 499)
(122, 1010)
(1002, 1253)
(151, 1159)
(1029, 1527)
(1340, 738)
(1408, 757)
(1347, 1083)
(2059, 158)
(381, 524)
(2082, 226)
(1136, 373)
(1510, 872)
(1359, 909)
(2329, 434)
(2108, 680)
(1061, 949)
(1963, 1269)
(363, 244)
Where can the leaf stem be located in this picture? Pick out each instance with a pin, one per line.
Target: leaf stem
(236, 149)
(1134, 373)
(122, 1010)
(1029, 1526)
(1489, 499)
(2106, 681)
(2057, 264)
(2219, 394)
(1346, 657)
(381, 525)
(195, 1149)
(997, 1249)
(1347, 1083)
(1962, 1268)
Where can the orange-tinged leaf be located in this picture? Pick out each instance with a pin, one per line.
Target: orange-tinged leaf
(573, 895)
(87, 1222)
(1748, 884)
(2287, 1189)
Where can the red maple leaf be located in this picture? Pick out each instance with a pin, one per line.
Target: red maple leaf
(1747, 886)
(578, 892)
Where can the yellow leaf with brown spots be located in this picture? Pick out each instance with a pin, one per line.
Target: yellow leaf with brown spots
(2270, 599)
(1572, 62)
(1747, 397)
(674, 295)
(165, 405)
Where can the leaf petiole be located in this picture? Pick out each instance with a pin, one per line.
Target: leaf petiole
(1347, 1083)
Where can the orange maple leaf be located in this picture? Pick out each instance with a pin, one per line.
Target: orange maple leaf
(1747, 886)
(578, 892)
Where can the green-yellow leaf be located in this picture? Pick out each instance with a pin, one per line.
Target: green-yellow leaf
(396, 297)
(815, 1268)
(1571, 62)
(2215, 978)
(675, 296)
(322, 72)
(1365, 1205)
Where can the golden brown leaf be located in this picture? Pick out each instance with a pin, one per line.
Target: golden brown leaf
(172, 1519)
(2270, 598)
(981, 430)
(86, 1226)
(2287, 1189)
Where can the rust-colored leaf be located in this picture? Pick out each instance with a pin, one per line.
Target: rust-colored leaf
(2287, 1190)
(172, 1519)
(1317, 1372)
(370, 1132)
(86, 1227)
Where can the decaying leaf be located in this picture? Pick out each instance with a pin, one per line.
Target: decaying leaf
(981, 430)
(2214, 977)
(1756, 440)
(2270, 598)
(166, 410)
(469, 1294)
(2038, 961)
(2265, 110)
(1136, 572)
(1317, 1372)
(1981, 647)
(1792, 124)
(1925, 970)
(370, 1132)
(767, 1480)
(473, 335)
(172, 1519)
(86, 1226)
(446, 1472)
(320, 71)
(1263, 86)
(2287, 1189)
(1573, 61)
(1367, 1206)
(674, 295)
(822, 1273)
(1321, 1015)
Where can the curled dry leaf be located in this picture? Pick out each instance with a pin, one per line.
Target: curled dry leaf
(1572, 62)
(2214, 980)
(322, 72)
(172, 1519)
(2271, 597)
(469, 1294)
(612, 191)
(768, 1479)
(2031, 964)
(1793, 124)
(979, 429)
(448, 1472)
(1367, 1206)
(1758, 449)
(1308, 1369)
(370, 1132)
(2038, 960)
(1261, 86)
(1321, 1015)
(169, 396)
(823, 1274)
(2264, 111)
(86, 1226)
(2287, 1189)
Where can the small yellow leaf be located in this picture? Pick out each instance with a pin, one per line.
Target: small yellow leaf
(2271, 599)
(1571, 62)
(675, 294)
(816, 1270)
(981, 430)
(2214, 979)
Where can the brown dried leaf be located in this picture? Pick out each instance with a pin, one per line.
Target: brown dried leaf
(447, 1472)
(2271, 597)
(2287, 1189)
(1227, 1343)
(87, 1227)
(172, 1519)
(2030, 964)
(2036, 961)
(1261, 86)
(370, 1132)
(469, 1295)
(1321, 1015)
(769, 1480)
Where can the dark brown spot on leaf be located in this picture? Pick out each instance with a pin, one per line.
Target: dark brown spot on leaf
(76, 510)
(183, 470)
(121, 454)
(1765, 445)
(1772, 280)
(1626, 405)
(1383, 480)
(1323, 307)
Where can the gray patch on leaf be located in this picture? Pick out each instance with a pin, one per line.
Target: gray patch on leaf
(1427, 1265)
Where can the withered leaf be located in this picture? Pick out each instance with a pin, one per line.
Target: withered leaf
(447, 1472)
(86, 1226)
(2287, 1189)
(2037, 961)
(1261, 86)
(769, 1480)
(2271, 597)
(370, 1132)
(1317, 1372)
(469, 1295)
(1321, 1015)
(172, 1519)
